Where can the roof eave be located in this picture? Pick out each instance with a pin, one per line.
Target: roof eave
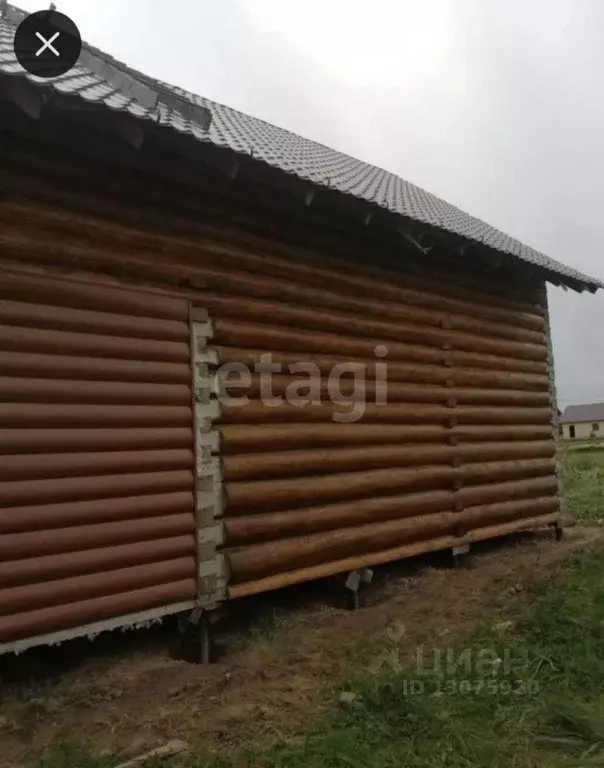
(155, 100)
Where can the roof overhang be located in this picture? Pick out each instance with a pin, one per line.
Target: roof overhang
(137, 106)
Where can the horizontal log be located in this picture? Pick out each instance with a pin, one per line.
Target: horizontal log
(511, 490)
(296, 463)
(504, 529)
(39, 569)
(460, 319)
(363, 290)
(266, 559)
(57, 490)
(35, 466)
(274, 525)
(256, 335)
(47, 516)
(272, 557)
(30, 597)
(390, 555)
(362, 297)
(472, 432)
(483, 472)
(20, 440)
(60, 617)
(26, 364)
(303, 388)
(259, 412)
(478, 283)
(258, 256)
(78, 294)
(246, 438)
(249, 496)
(395, 371)
(489, 514)
(14, 546)
(299, 265)
(13, 338)
(49, 254)
(18, 389)
(49, 415)
(239, 308)
(89, 321)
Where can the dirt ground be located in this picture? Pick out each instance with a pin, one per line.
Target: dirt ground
(126, 693)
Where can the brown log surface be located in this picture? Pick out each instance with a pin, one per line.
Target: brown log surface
(317, 489)
(247, 438)
(54, 490)
(94, 369)
(281, 338)
(48, 567)
(61, 591)
(288, 578)
(299, 265)
(47, 516)
(39, 466)
(397, 371)
(21, 389)
(96, 452)
(97, 470)
(355, 325)
(26, 315)
(91, 345)
(58, 292)
(16, 546)
(276, 525)
(257, 411)
(302, 388)
(33, 440)
(273, 557)
(70, 415)
(80, 613)
(347, 286)
(312, 462)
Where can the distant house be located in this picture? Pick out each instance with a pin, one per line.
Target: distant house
(583, 421)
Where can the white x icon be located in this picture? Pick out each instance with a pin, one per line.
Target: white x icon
(47, 44)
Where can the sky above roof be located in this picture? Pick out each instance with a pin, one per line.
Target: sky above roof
(496, 107)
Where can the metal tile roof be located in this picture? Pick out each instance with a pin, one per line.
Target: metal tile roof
(579, 413)
(100, 79)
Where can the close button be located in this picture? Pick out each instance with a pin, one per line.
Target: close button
(47, 43)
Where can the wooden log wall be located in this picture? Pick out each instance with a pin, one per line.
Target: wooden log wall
(97, 503)
(446, 438)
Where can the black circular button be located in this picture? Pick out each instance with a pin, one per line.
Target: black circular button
(47, 43)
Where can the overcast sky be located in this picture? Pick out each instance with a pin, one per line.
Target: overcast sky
(495, 105)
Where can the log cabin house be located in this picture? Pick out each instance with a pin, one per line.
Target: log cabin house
(155, 245)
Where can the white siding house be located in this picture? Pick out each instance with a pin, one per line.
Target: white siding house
(583, 422)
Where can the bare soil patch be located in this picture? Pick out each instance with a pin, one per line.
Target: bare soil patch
(127, 693)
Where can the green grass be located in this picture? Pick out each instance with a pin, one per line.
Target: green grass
(584, 483)
(541, 705)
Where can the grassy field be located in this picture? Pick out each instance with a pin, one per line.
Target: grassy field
(584, 482)
(524, 688)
